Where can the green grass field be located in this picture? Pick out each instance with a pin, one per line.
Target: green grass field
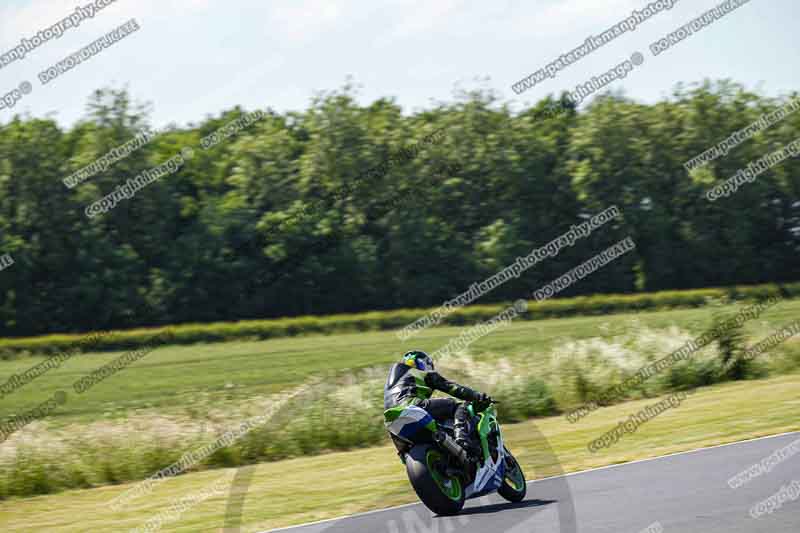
(325, 486)
(391, 320)
(182, 379)
(178, 398)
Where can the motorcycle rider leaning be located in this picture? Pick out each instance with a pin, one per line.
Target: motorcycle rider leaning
(412, 382)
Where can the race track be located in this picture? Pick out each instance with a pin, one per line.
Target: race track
(682, 493)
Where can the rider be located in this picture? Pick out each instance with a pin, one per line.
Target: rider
(412, 382)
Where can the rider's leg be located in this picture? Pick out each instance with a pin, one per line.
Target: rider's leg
(461, 426)
(449, 409)
(440, 409)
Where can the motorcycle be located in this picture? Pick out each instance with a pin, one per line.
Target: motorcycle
(441, 472)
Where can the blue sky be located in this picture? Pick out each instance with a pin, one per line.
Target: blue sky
(193, 58)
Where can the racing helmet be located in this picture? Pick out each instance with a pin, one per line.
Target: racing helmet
(418, 359)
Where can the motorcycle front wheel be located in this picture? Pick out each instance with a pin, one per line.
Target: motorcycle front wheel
(514, 486)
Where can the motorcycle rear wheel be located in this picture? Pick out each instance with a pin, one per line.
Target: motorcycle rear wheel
(442, 494)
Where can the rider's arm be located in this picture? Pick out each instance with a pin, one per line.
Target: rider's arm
(436, 381)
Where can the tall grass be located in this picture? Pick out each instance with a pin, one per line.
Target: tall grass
(345, 412)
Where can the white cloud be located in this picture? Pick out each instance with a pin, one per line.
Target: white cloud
(421, 16)
(564, 16)
(303, 20)
(17, 22)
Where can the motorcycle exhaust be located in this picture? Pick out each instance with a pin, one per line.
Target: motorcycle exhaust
(447, 442)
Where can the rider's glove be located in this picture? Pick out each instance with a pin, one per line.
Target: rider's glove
(483, 399)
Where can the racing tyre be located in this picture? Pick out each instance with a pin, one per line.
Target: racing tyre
(442, 494)
(514, 487)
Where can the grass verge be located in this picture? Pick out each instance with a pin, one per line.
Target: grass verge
(314, 488)
(179, 399)
(389, 320)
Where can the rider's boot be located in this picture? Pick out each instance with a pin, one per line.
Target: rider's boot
(461, 427)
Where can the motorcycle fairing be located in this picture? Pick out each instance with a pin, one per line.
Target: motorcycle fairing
(406, 422)
(490, 475)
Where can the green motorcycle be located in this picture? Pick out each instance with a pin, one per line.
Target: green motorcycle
(441, 471)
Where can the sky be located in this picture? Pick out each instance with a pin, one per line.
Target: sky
(195, 58)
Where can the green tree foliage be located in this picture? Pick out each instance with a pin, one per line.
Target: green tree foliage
(285, 217)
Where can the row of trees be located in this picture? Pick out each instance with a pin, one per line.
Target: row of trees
(281, 218)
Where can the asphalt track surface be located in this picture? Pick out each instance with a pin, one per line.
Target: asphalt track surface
(683, 493)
